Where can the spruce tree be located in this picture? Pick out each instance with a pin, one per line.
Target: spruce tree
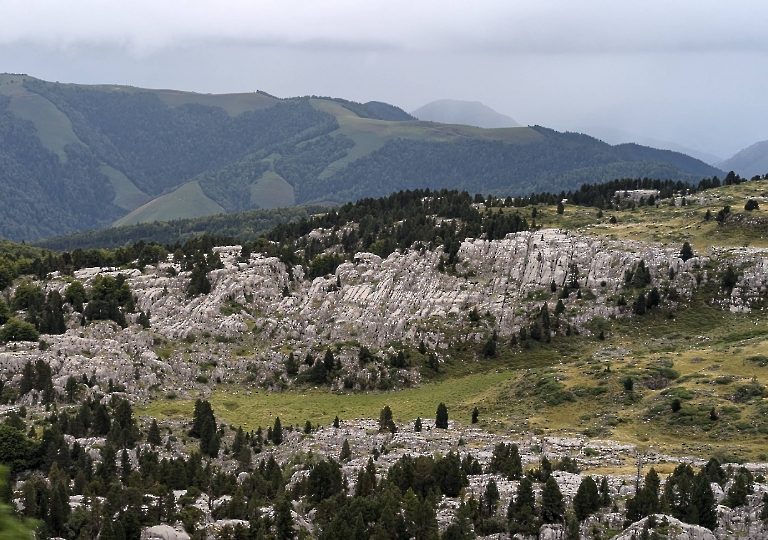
(475, 414)
(417, 424)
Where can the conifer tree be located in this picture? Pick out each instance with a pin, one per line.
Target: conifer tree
(346, 452)
(153, 436)
(605, 493)
(291, 365)
(521, 514)
(703, 499)
(386, 422)
(277, 432)
(587, 500)
(552, 505)
(441, 419)
(491, 496)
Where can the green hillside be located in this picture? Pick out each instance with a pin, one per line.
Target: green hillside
(188, 201)
(77, 157)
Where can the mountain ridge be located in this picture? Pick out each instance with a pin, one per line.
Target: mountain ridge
(750, 161)
(81, 157)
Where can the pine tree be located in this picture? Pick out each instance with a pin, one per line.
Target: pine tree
(125, 466)
(572, 530)
(475, 414)
(284, 519)
(27, 378)
(687, 252)
(640, 304)
(291, 365)
(277, 432)
(552, 505)
(346, 451)
(586, 501)
(605, 493)
(210, 441)
(59, 506)
(703, 499)
(153, 436)
(328, 361)
(336, 422)
(441, 419)
(417, 424)
(491, 496)
(521, 514)
(386, 422)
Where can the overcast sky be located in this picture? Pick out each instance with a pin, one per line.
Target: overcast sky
(691, 72)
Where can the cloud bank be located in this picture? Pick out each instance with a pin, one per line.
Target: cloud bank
(493, 26)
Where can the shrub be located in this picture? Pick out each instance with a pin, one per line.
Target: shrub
(16, 330)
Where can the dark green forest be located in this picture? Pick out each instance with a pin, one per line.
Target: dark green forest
(42, 196)
(558, 161)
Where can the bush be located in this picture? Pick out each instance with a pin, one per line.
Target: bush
(751, 205)
(16, 330)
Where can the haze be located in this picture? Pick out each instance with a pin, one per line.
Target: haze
(694, 73)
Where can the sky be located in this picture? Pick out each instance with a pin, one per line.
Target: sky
(691, 72)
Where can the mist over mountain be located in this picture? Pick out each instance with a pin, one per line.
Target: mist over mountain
(618, 136)
(749, 162)
(470, 113)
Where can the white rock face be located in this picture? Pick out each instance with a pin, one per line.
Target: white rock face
(163, 532)
(677, 530)
(402, 298)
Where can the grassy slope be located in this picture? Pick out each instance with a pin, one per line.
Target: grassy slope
(708, 347)
(53, 127)
(234, 104)
(272, 191)
(188, 201)
(668, 225)
(127, 195)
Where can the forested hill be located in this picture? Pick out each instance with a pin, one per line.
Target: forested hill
(75, 157)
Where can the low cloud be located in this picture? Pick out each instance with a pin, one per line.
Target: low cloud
(495, 27)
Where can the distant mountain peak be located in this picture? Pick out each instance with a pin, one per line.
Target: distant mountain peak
(471, 113)
(749, 162)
